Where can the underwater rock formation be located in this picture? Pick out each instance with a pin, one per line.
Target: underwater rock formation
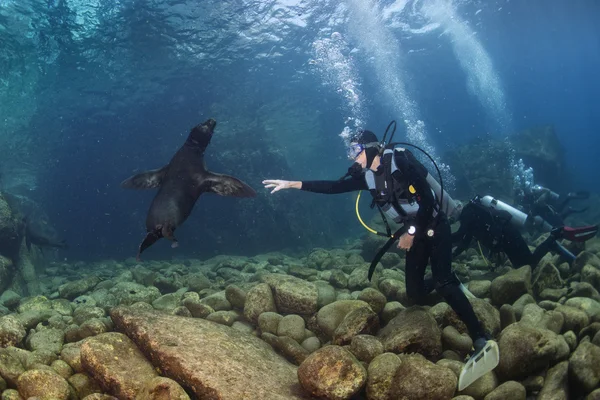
(245, 327)
(483, 166)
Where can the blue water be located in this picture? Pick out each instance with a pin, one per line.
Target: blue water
(91, 92)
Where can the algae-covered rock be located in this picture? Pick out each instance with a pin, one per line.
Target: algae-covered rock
(84, 385)
(374, 298)
(217, 301)
(161, 388)
(584, 367)
(333, 373)
(43, 384)
(480, 289)
(292, 326)
(117, 364)
(508, 390)
(590, 306)
(332, 315)
(366, 347)
(413, 371)
(556, 384)
(224, 317)
(73, 289)
(208, 358)
(10, 367)
(293, 295)
(127, 293)
(236, 296)
(509, 287)
(46, 339)
(381, 372)
(525, 350)
(269, 322)
(12, 331)
(287, 347)
(413, 330)
(258, 301)
(62, 368)
(358, 321)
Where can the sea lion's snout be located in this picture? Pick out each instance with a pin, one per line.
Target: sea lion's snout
(211, 123)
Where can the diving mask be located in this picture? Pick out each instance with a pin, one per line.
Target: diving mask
(354, 150)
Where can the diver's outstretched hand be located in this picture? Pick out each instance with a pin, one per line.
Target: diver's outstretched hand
(278, 184)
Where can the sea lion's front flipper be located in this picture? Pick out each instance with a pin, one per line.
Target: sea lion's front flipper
(225, 185)
(145, 180)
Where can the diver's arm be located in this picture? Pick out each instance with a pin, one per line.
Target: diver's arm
(326, 187)
(334, 187)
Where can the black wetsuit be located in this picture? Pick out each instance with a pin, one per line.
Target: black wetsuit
(551, 207)
(493, 229)
(437, 249)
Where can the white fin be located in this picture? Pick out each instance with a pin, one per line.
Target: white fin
(479, 364)
(466, 291)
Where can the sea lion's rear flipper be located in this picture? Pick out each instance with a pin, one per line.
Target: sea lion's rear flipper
(225, 185)
(149, 240)
(145, 180)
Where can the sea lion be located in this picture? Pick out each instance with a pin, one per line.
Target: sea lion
(180, 184)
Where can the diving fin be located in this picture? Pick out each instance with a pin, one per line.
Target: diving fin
(580, 234)
(466, 291)
(479, 364)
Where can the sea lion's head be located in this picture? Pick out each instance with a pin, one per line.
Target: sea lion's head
(201, 134)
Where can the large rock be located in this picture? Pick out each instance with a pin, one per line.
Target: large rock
(525, 350)
(332, 315)
(212, 361)
(546, 276)
(12, 331)
(43, 384)
(160, 388)
(506, 289)
(293, 295)
(584, 367)
(590, 306)
(259, 300)
(382, 370)
(129, 293)
(332, 373)
(116, 363)
(556, 384)
(360, 321)
(73, 289)
(413, 330)
(10, 367)
(419, 379)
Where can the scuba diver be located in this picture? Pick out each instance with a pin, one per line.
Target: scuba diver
(549, 207)
(496, 226)
(403, 190)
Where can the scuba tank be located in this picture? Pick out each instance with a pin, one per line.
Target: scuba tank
(519, 219)
(449, 205)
